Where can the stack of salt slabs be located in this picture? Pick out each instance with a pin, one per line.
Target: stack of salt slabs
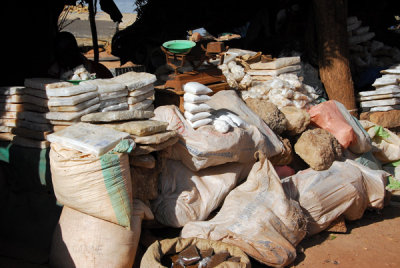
(141, 89)
(197, 112)
(49, 105)
(386, 96)
(263, 71)
(113, 95)
(10, 108)
(150, 136)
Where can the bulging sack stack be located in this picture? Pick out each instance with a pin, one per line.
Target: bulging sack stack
(141, 89)
(196, 111)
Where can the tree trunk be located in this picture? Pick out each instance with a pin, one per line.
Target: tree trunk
(93, 29)
(331, 25)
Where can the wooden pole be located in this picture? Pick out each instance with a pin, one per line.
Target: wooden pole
(93, 30)
(333, 51)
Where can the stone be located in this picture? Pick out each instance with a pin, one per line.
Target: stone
(268, 112)
(318, 148)
(11, 99)
(140, 128)
(297, 120)
(9, 122)
(10, 115)
(12, 107)
(113, 95)
(117, 116)
(389, 119)
(11, 90)
(75, 108)
(285, 157)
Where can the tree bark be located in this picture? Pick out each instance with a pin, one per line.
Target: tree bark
(93, 29)
(333, 51)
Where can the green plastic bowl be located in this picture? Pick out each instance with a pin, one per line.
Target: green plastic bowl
(179, 46)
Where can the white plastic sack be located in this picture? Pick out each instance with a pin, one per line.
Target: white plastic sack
(192, 98)
(199, 123)
(346, 188)
(185, 195)
(386, 144)
(197, 116)
(229, 100)
(206, 147)
(196, 88)
(196, 108)
(81, 240)
(257, 217)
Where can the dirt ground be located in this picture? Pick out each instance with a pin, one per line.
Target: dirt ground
(373, 241)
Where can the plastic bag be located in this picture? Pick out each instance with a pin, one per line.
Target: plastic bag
(257, 217)
(192, 98)
(196, 88)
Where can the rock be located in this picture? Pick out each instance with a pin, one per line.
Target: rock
(144, 161)
(318, 148)
(268, 112)
(146, 149)
(389, 119)
(297, 120)
(284, 158)
(144, 183)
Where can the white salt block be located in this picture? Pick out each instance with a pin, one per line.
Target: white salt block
(142, 90)
(116, 116)
(141, 105)
(111, 102)
(11, 99)
(11, 90)
(105, 85)
(11, 115)
(69, 116)
(34, 117)
(34, 100)
(276, 64)
(75, 108)
(26, 142)
(71, 100)
(46, 83)
(35, 108)
(385, 80)
(134, 80)
(385, 108)
(5, 129)
(116, 107)
(354, 26)
(276, 72)
(8, 122)
(385, 102)
(140, 98)
(35, 92)
(34, 126)
(88, 138)
(71, 90)
(361, 38)
(113, 95)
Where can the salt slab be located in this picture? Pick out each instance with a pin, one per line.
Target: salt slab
(34, 126)
(142, 90)
(113, 95)
(31, 134)
(88, 138)
(71, 90)
(69, 116)
(10, 115)
(46, 83)
(110, 102)
(276, 72)
(9, 122)
(146, 149)
(117, 107)
(134, 80)
(116, 116)
(385, 102)
(141, 105)
(387, 79)
(34, 100)
(11, 99)
(34, 117)
(136, 99)
(35, 108)
(155, 138)
(276, 64)
(35, 92)
(6, 136)
(71, 100)
(105, 85)
(12, 107)
(385, 108)
(63, 123)
(391, 89)
(5, 129)
(25, 142)
(140, 128)
(379, 97)
(11, 90)
(75, 108)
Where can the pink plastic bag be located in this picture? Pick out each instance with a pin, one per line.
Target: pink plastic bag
(327, 116)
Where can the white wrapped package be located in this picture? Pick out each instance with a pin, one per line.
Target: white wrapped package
(197, 116)
(221, 126)
(192, 98)
(113, 95)
(142, 90)
(385, 80)
(70, 90)
(105, 85)
(71, 100)
(134, 80)
(196, 88)
(196, 108)
(390, 89)
(385, 102)
(88, 138)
